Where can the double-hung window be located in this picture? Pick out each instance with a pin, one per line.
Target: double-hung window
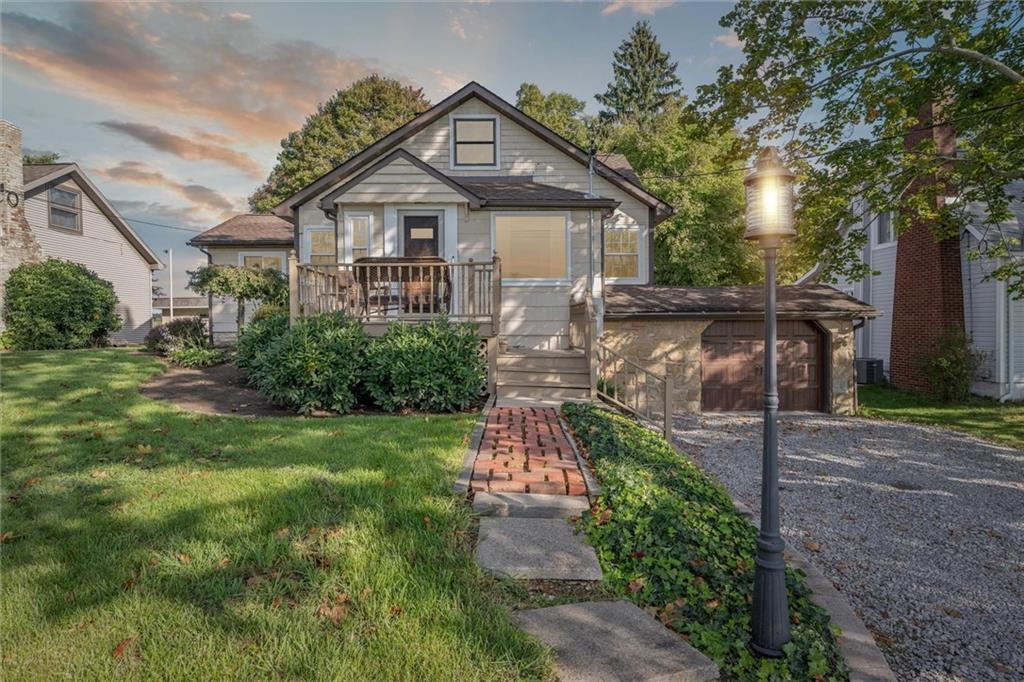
(358, 228)
(320, 245)
(65, 209)
(622, 252)
(884, 233)
(475, 142)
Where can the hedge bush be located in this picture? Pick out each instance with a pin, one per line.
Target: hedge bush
(950, 365)
(435, 366)
(670, 539)
(254, 342)
(315, 364)
(161, 339)
(58, 304)
(191, 353)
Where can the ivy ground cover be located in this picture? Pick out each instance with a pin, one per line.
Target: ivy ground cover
(143, 542)
(669, 538)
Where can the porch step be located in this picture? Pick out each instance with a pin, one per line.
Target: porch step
(542, 393)
(509, 376)
(543, 360)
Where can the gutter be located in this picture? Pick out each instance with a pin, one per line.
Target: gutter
(740, 315)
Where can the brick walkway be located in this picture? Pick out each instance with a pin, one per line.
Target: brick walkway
(525, 451)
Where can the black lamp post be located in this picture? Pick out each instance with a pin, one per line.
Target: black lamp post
(769, 193)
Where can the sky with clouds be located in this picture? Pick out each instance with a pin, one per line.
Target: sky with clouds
(176, 110)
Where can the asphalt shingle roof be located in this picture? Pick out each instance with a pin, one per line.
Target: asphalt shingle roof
(34, 171)
(248, 229)
(523, 190)
(803, 300)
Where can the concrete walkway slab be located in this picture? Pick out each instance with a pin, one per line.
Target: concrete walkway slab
(614, 641)
(527, 505)
(535, 549)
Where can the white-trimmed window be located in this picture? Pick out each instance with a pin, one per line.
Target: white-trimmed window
(884, 233)
(65, 209)
(474, 141)
(358, 235)
(320, 246)
(256, 259)
(533, 247)
(622, 253)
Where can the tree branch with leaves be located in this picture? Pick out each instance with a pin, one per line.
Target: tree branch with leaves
(245, 285)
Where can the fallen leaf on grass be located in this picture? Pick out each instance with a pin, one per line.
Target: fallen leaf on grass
(253, 581)
(275, 603)
(223, 563)
(281, 533)
(98, 473)
(395, 611)
(605, 516)
(635, 586)
(123, 646)
(426, 521)
(183, 558)
(333, 612)
(7, 536)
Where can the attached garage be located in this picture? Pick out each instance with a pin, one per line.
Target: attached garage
(732, 366)
(710, 340)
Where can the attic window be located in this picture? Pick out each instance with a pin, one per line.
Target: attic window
(65, 209)
(475, 142)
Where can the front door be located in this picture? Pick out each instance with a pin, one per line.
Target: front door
(420, 233)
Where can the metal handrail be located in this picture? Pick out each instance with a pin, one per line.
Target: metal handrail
(629, 393)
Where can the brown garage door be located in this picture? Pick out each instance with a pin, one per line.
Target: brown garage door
(732, 366)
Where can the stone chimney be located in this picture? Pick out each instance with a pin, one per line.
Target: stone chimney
(928, 299)
(17, 243)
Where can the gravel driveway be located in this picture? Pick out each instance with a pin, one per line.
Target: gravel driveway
(921, 528)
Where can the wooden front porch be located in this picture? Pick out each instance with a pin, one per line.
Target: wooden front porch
(379, 291)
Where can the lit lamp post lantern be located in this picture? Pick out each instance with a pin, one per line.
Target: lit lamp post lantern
(769, 193)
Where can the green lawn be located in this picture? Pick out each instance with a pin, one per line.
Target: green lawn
(141, 541)
(988, 419)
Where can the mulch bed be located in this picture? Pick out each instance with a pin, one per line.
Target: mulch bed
(220, 390)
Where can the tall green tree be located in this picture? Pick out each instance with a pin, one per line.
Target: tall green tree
(644, 79)
(702, 243)
(559, 111)
(842, 82)
(352, 119)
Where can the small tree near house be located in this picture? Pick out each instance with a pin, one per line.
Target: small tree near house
(245, 285)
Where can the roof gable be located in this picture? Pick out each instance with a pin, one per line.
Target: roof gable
(45, 176)
(442, 108)
(398, 169)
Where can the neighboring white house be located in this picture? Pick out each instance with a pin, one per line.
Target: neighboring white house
(992, 319)
(60, 213)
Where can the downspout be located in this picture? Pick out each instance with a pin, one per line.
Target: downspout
(1007, 343)
(590, 224)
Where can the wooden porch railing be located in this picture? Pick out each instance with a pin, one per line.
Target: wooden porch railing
(583, 335)
(390, 289)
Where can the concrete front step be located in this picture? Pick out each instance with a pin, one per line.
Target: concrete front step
(613, 641)
(529, 505)
(542, 393)
(535, 549)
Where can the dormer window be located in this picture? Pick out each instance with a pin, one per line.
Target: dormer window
(475, 141)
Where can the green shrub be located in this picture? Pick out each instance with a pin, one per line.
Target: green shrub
(435, 366)
(161, 339)
(950, 365)
(255, 341)
(670, 539)
(191, 353)
(315, 364)
(58, 304)
(268, 310)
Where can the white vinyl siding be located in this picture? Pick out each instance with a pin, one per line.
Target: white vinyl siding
(101, 247)
(400, 182)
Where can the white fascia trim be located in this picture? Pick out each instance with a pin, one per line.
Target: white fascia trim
(497, 141)
(568, 249)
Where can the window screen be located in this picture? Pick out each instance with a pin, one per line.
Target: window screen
(531, 247)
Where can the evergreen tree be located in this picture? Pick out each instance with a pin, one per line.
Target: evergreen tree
(644, 79)
(342, 126)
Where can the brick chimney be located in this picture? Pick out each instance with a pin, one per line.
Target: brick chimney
(928, 300)
(17, 243)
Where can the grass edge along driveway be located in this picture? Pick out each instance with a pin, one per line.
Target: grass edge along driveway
(141, 541)
(1001, 423)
